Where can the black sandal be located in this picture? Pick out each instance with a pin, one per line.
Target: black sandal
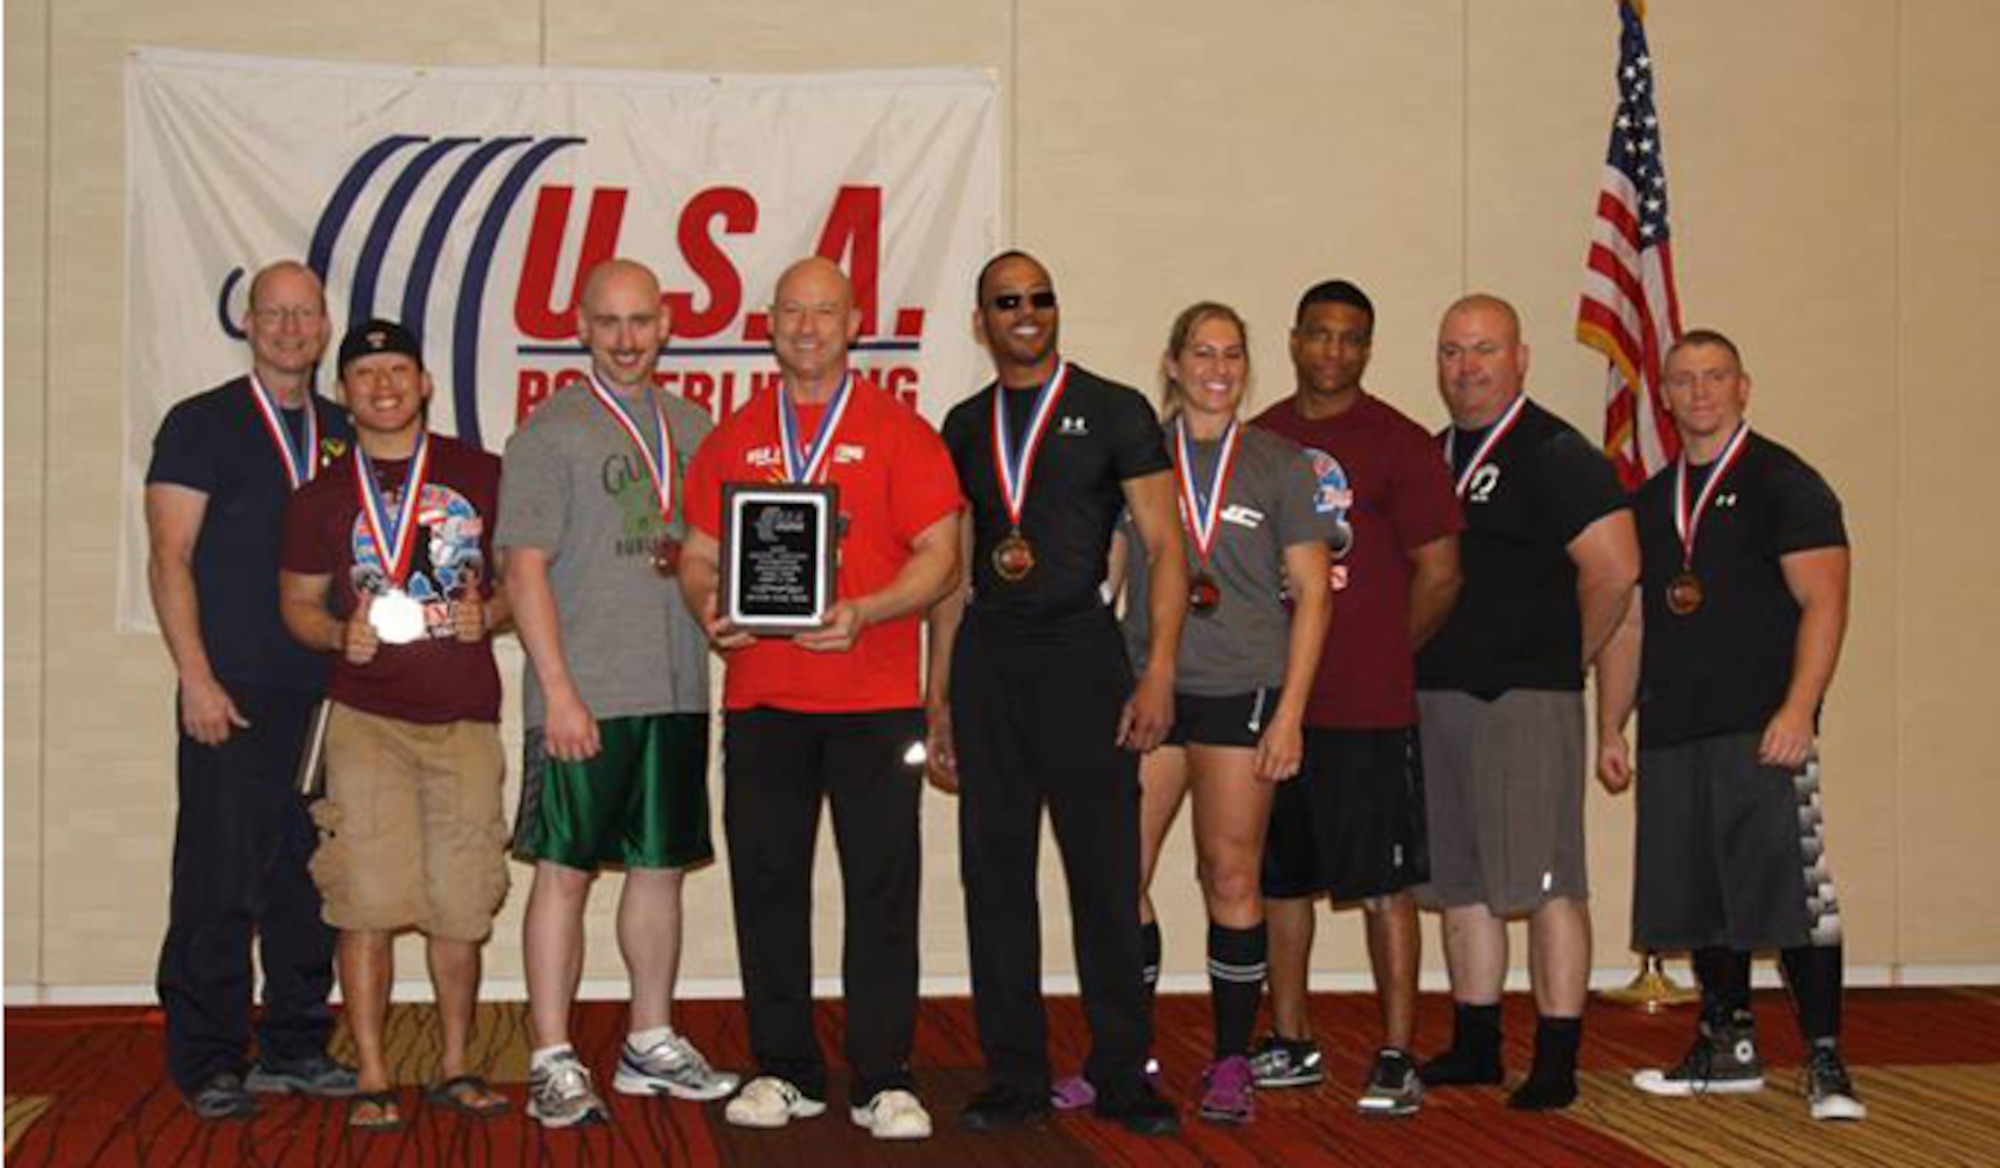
(460, 1092)
(388, 1111)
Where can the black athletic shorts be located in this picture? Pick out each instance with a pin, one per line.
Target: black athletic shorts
(1236, 720)
(1731, 852)
(1351, 824)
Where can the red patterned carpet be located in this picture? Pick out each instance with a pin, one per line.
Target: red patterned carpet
(87, 1087)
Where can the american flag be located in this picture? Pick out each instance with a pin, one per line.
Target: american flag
(1629, 310)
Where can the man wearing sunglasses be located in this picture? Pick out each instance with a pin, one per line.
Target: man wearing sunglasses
(1032, 700)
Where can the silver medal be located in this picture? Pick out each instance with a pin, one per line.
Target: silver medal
(397, 618)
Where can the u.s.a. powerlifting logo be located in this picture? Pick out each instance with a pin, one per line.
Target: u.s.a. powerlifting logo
(420, 227)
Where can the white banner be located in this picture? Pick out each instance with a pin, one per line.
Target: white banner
(466, 203)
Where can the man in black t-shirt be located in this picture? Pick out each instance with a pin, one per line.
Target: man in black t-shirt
(1549, 559)
(1032, 700)
(247, 692)
(1743, 608)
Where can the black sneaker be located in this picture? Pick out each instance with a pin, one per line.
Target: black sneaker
(1002, 1108)
(1722, 1061)
(1393, 1086)
(317, 1076)
(1140, 1110)
(1828, 1089)
(223, 1097)
(1284, 1062)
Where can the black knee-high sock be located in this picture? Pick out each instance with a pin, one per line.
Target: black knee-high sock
(1814, 974)
(1149, 951)
(1235, 984)
(1724, 974)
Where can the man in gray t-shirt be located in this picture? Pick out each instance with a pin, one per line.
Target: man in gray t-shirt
(616, 770)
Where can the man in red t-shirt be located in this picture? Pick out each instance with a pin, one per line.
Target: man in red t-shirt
(385, 566)
(1351, 826)
(833, 712)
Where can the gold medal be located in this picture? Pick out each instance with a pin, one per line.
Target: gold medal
(1684, 594)
(1014, 558)
(1204, 595)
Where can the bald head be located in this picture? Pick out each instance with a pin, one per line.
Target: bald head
(1481, 362)
(620, 319)
(289, 275)
(620, 274)
(1497, 312)
(813, 321)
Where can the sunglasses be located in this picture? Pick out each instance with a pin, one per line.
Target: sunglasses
(1040, 301)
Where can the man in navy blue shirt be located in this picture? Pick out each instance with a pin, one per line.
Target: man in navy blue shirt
(225, 463)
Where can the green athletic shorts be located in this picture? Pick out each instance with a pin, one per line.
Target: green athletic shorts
(641, 802)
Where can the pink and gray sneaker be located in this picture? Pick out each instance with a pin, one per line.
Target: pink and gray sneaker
(1227, 1093)
(1072, 1094)
(1075, 1093)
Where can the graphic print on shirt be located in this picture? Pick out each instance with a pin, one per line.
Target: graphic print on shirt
(1333, 494)
(445, 563)
(625, 478)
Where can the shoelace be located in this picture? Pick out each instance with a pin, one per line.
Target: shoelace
(1699, 1063)
(565, 1080)
(1827, 1072)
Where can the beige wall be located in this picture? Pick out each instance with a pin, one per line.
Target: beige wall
(1831, 170)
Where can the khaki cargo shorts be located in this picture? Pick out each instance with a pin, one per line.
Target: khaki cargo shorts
(410, 833)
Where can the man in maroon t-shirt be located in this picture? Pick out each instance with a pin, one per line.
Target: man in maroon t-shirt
(1351, 827)
(385, 565)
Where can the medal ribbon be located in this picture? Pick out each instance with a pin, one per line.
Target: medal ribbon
(1687, 520)
(658, 454)
(807, 463)
(1202, 509)
(1015, 467)
(394, 541)
(299, 464)
(1493, 438)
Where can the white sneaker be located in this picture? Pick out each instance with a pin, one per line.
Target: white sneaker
(560, 1095)
(770, 1102)
(671, 1066)
(894, 1114)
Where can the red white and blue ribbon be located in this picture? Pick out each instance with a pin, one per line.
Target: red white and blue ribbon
(1493, 437)
(1687, 520)
(394, 536)
(806, 463)
(657, 454)
(1015, 465)
(1203, 508)
(299, 463)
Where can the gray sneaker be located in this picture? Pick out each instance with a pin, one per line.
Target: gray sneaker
(671, 1066)
(1283, 1062)
(318, 1076)
(1722, 1061)
(1828, 1089)
(1393, 1086)
(560, 1094)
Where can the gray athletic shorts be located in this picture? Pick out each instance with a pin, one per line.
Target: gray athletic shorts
(1503, 781)
(1731, 852)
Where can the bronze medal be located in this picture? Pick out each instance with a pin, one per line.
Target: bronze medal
(1684, 594)
(1204, 595)
(667, 556)
(1014, 558)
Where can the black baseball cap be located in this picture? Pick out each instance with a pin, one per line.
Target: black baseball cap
(379, 336)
